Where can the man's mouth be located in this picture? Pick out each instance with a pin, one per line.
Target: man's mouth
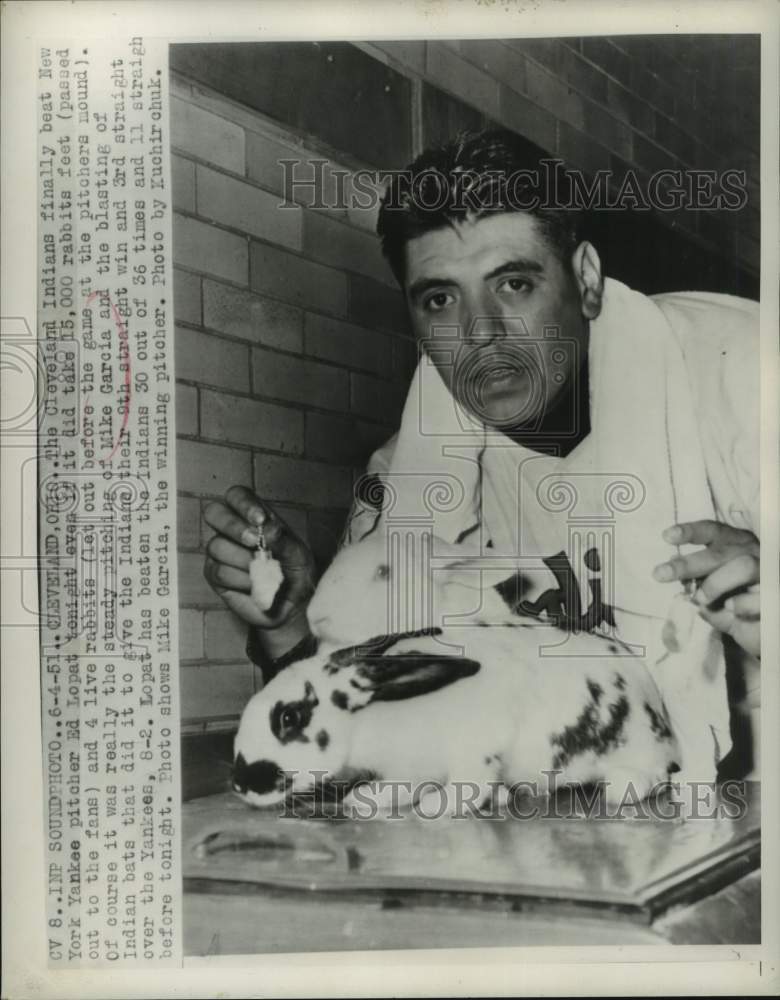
(507, 381)
(502, 377)
(502, 372)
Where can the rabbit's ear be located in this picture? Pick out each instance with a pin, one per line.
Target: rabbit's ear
(393, 678)
(374, 647)
(467, 552)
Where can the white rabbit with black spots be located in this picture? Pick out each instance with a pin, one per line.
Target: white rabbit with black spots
(393, 582)
(472, 705)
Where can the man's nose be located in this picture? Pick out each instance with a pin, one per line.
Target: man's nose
(485, 322)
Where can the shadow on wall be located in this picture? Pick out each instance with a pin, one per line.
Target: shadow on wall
(666, 102)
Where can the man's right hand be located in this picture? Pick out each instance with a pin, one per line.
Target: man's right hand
(237, 522)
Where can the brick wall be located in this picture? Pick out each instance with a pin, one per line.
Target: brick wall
(648, 103)
(292, 358)
(292, 352)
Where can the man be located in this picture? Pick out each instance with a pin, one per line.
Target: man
(511, 310)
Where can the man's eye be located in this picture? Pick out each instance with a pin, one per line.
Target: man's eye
(438, 301)
(515, 285)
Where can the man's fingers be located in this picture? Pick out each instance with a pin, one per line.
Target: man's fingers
(690, 567)
(243, 516)
(723, 543)
(706, 533)
(745, 606)
(239, 522)
(222, 519)
(723, 621)
(223, 577)
(745, 633)
(252, 509)
(222, 550)
(260, 514)
(246, 503)
(692, 532)
(737, 574)
(245, 608)
(234, 586)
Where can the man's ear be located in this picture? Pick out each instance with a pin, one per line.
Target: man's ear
(590, 283)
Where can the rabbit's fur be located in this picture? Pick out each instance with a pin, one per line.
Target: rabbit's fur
(478, 705)
(391, 583)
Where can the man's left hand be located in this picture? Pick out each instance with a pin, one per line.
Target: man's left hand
(727, 570)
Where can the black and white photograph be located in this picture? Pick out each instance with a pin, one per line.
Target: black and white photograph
(389, 434)
(467, 371)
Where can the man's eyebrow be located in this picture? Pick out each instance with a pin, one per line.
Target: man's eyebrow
(424, 284)
(419, 288)
(518, 264)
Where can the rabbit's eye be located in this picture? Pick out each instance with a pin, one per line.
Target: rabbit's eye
(290, 718)
(382, 572)
(289, 721)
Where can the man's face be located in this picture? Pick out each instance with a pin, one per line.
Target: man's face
(499, 315)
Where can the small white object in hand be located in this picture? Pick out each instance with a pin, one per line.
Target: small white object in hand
(266, 575)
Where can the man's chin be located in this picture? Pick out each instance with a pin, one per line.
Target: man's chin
(506, 418)
(506, 403)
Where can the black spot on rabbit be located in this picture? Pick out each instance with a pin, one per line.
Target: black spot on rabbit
(322, 739)
(289, 720)
(659, 724)
(589, 734)
(596, 690)
(513, 590)
(340, 699)
(261, 777)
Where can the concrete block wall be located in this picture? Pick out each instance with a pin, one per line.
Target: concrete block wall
(292, 350)
(649, 103)
(292, 359)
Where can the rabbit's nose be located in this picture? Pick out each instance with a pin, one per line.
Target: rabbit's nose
(262, 777)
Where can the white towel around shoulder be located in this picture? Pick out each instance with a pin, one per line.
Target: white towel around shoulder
(660, 451)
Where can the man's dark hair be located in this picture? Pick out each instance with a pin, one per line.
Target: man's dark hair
(475, 174)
